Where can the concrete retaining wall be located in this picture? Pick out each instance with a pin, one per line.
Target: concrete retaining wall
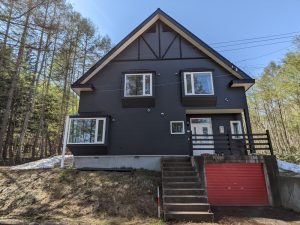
(118, 162)
(289, 187)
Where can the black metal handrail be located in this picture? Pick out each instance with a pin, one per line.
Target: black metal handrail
(249, 143)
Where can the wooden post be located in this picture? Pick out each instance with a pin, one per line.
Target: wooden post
(230, 142)
(249, 130)
(190, 141)
(270, 142)
(245, 145)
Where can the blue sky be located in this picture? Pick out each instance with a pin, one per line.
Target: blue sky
(212, 21)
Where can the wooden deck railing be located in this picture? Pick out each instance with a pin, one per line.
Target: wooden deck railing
(233, 143)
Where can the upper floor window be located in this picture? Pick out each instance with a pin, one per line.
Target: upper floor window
(138, 85)
(198, 83)
(86, 131)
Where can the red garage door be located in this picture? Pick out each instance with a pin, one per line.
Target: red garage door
(236, 184)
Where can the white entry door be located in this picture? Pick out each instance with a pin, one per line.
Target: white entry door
(203, 127)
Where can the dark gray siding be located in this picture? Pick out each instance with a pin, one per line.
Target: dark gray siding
(135, 131)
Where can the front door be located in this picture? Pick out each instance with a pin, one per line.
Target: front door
(203, 128)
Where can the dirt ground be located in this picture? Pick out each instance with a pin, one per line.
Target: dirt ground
(255, 215)
(69, 197)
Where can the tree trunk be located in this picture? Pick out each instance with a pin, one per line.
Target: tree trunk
(45, 94)
(33, 89)
(15, 78)
(3, 50)
(285, 131)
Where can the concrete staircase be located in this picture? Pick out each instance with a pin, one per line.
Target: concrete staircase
(182, 196)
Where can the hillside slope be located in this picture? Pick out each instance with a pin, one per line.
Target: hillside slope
(77, 195)
(71, 197)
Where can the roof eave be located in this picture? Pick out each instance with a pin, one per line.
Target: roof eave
(77, 88)
(246, 83)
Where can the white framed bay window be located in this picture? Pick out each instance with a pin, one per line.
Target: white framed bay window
(138, 85)
(198, 83)
(86, 131)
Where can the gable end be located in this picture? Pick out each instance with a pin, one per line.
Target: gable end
(182, 36)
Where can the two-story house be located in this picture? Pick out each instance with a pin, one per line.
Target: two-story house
(160, 96)
(144, 98)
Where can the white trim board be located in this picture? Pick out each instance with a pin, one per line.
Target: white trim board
(213, 111)
(244, 85)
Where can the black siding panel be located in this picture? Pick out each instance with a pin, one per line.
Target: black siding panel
(200, 101)
(81, 150)
(138, 102)
(136, 131)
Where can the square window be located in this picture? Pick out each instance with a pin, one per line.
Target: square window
(138, 85)
(198, 83)
(236, 128)
(177, 127)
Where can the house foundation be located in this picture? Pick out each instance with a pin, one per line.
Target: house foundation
(118, 162)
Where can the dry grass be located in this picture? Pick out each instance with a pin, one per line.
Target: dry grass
(71, 194)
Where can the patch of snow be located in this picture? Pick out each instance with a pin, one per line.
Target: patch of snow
(47, 163)
(288, 166)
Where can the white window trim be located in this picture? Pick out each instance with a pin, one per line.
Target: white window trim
(239, 127)
(192, 81)
(144, 82)
(96, 130)
(183, 130)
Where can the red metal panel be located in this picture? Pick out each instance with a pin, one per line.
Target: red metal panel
(236, 184)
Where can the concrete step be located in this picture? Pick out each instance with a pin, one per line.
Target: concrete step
(181, 185)
(184, 199)
(183, 191)
(180, 168)
(189, 216)
(176, 159)
(192, 207)
(179, 173)
(176, 164)
(181, 179)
